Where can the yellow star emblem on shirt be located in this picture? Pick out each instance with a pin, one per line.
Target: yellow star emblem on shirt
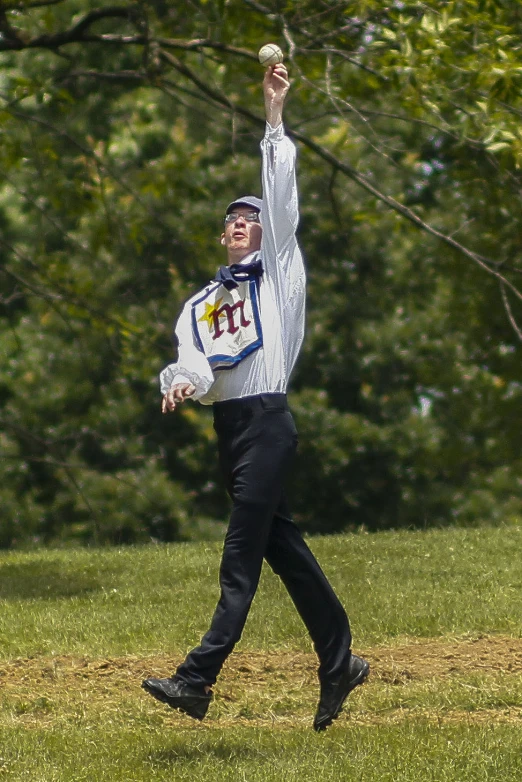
(210, 310)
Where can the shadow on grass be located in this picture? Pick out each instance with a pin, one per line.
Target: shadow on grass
(45, 581)
(206, 748)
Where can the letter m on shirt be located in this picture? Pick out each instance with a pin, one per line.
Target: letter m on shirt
(226, 324)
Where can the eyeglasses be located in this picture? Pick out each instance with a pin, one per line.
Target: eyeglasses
(250, 217)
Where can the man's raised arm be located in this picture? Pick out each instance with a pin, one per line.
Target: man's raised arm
(275, 88)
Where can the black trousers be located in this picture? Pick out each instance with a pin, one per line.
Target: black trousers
(257, 439)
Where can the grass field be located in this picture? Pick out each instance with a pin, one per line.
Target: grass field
(436, 613)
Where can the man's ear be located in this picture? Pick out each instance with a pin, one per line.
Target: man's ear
(222, 240)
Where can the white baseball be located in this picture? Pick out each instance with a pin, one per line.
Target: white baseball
(270, 54)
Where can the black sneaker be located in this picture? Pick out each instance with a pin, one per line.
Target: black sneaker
(334, 693)
(177, 694)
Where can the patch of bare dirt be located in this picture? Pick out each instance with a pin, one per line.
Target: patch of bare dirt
(418, 660)
(266, 679)
(429, 659)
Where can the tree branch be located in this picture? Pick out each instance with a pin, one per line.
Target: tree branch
(485, 264)
(509, 311)
(12, 40)
(135, 76)
(28, 6)
(313, 39)
(205, 43)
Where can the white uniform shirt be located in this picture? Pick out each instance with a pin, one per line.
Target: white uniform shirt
(281, 295)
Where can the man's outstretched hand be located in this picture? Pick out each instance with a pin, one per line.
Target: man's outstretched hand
(275, 87)
(176, 395)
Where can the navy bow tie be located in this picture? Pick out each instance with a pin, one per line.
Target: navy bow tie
(230, 276)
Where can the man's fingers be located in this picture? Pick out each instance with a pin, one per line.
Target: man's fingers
(182, 392)
(279, 72)
(176, 395)
(167, 405)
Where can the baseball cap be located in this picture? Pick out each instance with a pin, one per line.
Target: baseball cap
(248, 200)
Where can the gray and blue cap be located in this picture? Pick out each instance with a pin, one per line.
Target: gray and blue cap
(248, 200)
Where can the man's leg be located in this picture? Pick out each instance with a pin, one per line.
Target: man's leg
(340, 671)
(257, 442)
(325, 618)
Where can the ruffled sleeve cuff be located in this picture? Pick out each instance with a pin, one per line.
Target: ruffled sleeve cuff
(174, 373)
(274, 134)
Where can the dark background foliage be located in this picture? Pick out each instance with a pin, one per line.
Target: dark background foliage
(124, 129)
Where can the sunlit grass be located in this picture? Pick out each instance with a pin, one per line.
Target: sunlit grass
(79, 629)
(406, 753)
(160, 598)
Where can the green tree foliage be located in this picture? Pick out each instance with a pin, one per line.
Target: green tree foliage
(124, 129)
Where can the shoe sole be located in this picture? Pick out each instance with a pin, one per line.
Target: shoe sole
(359, 679)
(194, 707)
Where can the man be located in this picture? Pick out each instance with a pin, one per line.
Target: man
(238, 342)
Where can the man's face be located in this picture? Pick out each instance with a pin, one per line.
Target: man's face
(241, 236)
